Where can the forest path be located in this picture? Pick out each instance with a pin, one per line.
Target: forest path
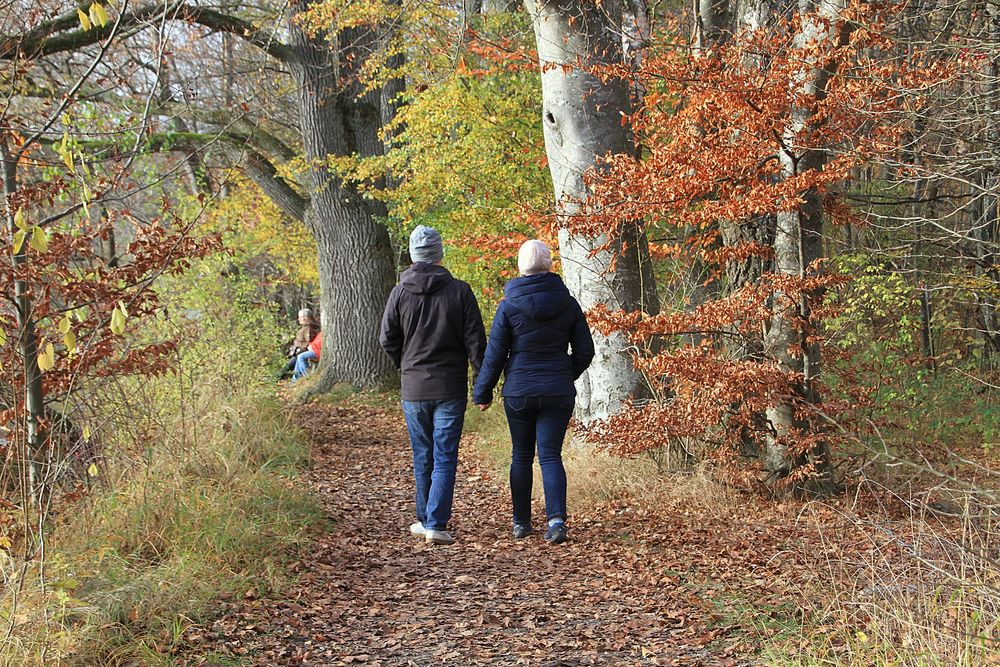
(369, 593)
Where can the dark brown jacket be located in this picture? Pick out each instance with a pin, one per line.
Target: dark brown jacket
(432, 330)
(306, 333)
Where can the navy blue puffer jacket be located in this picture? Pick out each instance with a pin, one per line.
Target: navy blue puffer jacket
(535, 326)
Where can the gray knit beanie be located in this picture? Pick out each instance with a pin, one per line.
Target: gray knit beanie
(534, 257)
(425, 245)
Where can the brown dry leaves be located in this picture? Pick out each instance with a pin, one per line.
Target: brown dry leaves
(635, 586)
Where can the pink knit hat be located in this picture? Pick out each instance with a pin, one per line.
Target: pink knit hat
(534, 257)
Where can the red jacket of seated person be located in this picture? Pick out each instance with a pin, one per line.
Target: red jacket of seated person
(316, 344)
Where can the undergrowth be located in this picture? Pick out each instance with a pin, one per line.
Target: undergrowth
(194, 500)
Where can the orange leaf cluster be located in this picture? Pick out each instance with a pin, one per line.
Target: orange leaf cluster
(717, 130)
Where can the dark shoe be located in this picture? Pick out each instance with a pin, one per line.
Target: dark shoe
(521, 530)
(556, 534)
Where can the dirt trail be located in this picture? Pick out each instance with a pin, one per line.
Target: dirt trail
(370, 593)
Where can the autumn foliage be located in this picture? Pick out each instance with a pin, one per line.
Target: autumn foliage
(713, 125)
(81, 305)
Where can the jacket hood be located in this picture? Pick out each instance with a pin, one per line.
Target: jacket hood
(424, 278)
(541, 297)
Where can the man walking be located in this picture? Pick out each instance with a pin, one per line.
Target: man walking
(432, 329)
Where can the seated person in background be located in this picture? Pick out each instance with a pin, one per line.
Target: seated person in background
(302, 361)
(308, 328)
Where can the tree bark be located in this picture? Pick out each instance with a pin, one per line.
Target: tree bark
(582, 123)
(798, 242)
(985, 229)
(27, 342)
(356, 268)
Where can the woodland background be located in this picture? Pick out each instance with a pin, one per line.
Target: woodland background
(780, 216)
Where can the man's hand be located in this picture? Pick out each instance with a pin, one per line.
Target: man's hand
(483, 407)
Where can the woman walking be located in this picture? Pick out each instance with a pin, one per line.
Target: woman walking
(541, 342)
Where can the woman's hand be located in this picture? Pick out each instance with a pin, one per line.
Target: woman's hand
(483, 407)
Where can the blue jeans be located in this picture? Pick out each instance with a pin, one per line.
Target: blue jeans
(435, 428)
(540, 420)
(302, 364)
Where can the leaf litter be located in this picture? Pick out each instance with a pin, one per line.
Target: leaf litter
(639, 583)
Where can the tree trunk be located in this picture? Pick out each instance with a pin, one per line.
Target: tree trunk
(582, 123)
(985, 233)
(356, 269)
(27, 342)
(798, 242)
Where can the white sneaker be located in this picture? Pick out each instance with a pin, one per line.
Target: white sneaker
(417, 528)
(438, 537)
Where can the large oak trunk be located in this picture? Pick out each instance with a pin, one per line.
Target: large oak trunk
(356, 268)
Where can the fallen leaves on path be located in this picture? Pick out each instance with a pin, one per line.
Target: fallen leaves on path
(634, 586)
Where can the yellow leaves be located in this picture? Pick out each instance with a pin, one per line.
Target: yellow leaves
(335, 15)
(118, 317)
(69, 338)
(97, 14)
(19, 240)
(47, 358)
(92, 470)
(254, 226)
(39, 240)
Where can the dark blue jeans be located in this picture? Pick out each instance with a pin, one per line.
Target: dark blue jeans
(541, 421)
(435, 428)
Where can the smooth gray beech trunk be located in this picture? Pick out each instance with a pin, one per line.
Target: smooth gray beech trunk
(581, 116)
(795, 236)
(798, 242)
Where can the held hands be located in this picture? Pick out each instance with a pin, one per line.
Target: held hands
(483, 407)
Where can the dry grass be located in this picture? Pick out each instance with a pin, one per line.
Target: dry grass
(211, 514)
(904, 585)
(194, 501)
(595, 477)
